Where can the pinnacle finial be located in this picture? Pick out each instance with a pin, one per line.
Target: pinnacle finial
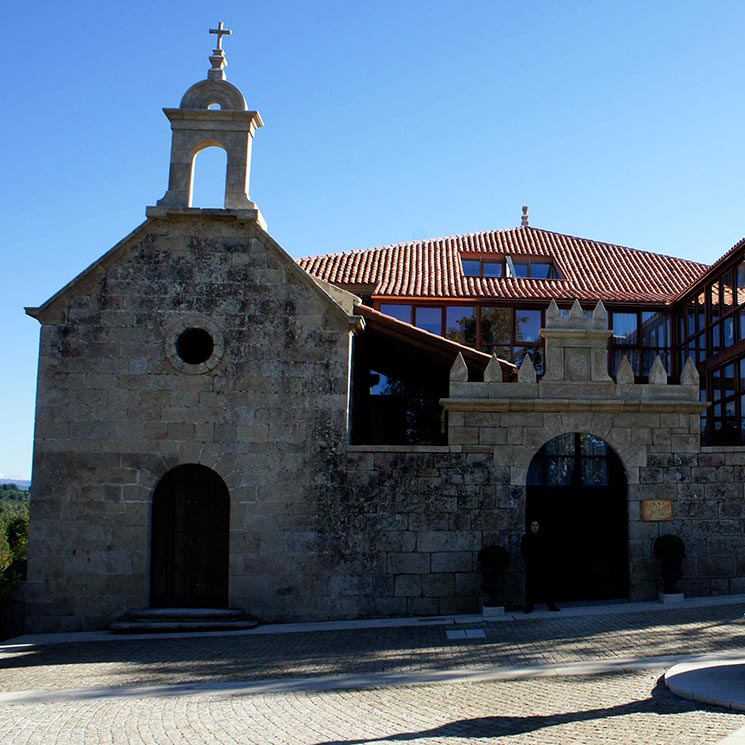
(217, 58)
(524, 223)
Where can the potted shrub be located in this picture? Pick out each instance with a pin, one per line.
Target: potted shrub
(670, 550)
(493, 562)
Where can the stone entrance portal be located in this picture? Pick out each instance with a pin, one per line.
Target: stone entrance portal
(189, 540)
(535, 430)
(576, 488)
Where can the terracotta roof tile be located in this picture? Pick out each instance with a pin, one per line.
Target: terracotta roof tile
(589, 270)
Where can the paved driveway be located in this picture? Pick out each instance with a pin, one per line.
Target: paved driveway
(582, 676)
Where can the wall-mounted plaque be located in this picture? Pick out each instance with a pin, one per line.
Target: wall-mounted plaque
(657, 509)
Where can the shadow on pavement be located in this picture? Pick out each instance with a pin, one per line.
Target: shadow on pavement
(503, 726)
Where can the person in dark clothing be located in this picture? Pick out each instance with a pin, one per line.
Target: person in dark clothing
(538, 580)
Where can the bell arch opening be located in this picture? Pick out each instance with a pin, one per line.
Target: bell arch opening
(209, 177)
(577, 489)
(189, 539)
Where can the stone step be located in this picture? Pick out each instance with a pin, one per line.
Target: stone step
(174, 620)
(186, 614)
(162, 627)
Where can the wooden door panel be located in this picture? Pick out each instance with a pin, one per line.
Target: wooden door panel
(189, 540)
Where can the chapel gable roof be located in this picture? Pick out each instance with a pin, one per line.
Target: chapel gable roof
(587, 269)
(53, 310)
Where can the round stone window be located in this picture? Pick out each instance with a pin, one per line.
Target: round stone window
(194, 345)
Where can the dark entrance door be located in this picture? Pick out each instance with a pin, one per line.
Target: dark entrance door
(189, 540)
(577, 490)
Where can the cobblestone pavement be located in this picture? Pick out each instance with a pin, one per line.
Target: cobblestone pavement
(262, 689)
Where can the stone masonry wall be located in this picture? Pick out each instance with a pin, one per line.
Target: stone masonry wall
(709, 514)
(403, 530)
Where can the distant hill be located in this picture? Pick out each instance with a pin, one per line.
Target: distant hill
(24, 485)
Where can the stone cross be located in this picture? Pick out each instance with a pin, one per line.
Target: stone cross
(220, 31)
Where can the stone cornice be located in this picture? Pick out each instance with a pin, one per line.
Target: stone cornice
(553, 405)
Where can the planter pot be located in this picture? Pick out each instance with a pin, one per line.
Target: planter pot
(492, 610)
(492, 581)
(671, 570)
(668, 599)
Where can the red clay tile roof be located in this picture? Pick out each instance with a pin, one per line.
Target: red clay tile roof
(589, 270)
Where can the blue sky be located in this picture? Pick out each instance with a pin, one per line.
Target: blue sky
(385, 121)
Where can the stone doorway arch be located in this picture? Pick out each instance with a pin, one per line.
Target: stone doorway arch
(189, 540)
(577, 489)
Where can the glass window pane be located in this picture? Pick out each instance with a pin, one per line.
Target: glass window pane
(716, 338)
(741, 274)
(701, 315)
(691, 318)
(471, 267)
(654, 329)
(727, 296)
(714, 309)
(429, 319)
(594, 471)
(542, 270)
(527, 325)
(382, 385)
(492, 268)
(591, 445)
(728, 331)
(728, 380)
(560, 471)
(401, 312)
(460, 324)
(522, 269)
(716, 385)
(561, 445)
(625, 329)
(496, 325)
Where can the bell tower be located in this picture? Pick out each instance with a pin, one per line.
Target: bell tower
(213, 112)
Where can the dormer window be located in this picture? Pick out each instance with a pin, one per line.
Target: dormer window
(510, 266)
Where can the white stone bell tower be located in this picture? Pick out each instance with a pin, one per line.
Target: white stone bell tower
(213, 112)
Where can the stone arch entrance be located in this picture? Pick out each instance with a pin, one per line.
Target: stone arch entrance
(577, 489)
(189, 540)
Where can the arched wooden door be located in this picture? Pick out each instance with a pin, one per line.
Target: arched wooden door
(189, 540)
(576, 489)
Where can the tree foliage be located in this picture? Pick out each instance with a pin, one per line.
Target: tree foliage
(14, 505)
